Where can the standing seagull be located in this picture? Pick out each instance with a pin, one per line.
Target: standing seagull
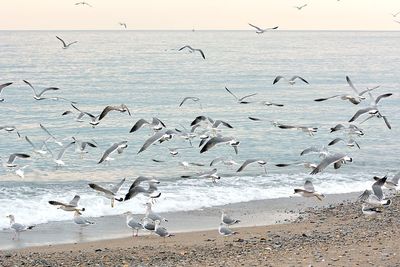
(17, 227)
(119, 147)
(109, 193)
(2, 86)
(37, 96)
(291, 81)
(224, 230)
(259, 30)
(65, 45)
(161, 231)
(191, 49)
(80, 220)
(131, 223)
(300, 7)
(83, 4)
(309, 191)
(227, 220)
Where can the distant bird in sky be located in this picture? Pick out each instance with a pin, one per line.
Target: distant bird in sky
(191, 49)
(65, 45)
(2, 86)
(83, 4)
(394, 14)
(122, 24)
(397, 21)
(300, 7)
(260, 30)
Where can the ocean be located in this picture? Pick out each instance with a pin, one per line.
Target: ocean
(145, 71)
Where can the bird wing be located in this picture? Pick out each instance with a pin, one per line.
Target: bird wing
(326, 98)
(138, 125)
(186, 98)
(47, 89)
(157, 121)
(377, 187)
(30, 85)
(241, 99)
(57, 203)
(116, 187)
(105, 111)
(335, 141)
(360, 112)
(277, 79)
(245, 163)
(219, 122)
(352, 85)
(75, 200)
(101, 189)
(186, 46)
(202, 53)
(2, 86)
(298, 77)
(214, 141)
(309, 186)
(257, 28)
(327, 161)
(387, 122)
(365, 195)
(106, 153)
(382, 96)
(64, 44)
(157, 136)
(62, 151)
(229, 91)
(15, 155)
(29, 141)
(369, 90)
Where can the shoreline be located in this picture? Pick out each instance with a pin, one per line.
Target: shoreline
(252, 214)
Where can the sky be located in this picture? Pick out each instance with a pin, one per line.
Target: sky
(199, 14)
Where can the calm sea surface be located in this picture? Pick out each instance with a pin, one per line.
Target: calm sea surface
(145, 71)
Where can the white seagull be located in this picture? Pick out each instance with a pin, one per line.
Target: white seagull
(336, 159)
(242, 99)
(300, 7)
(38, 96)
(71, 206)
(260, 30)
(65, 45)
(309, 191)
(191, 49)
(291, 81)
(2, 86)
(17, 227)
(132, 223)
(109, 193)
(119, 147)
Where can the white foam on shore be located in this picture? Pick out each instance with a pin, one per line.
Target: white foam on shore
(29, 203)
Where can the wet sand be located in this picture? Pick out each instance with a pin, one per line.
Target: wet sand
(337, 234)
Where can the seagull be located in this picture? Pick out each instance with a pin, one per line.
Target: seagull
(224, 230)
(152, 215)
(158, 136)
(65, 46)
(161, 231)
(51, 136)
(192, 98)
(80, 220)
(260, 162)
(94, 120)
(119, 147)
(291, 81)
(122, 24)
(121, 108)
(220, 140)
(83, 4)
(136, 188)
(392, 184)
(10, 129)
(307, 165)
(240, 100)
(17, 227)
(2, 86)
(156, 123)
(351, 129)
(370, 211)
(148, 224)
(186, 164)
(228, 162)
(71, 206)
(309, 191)
(80, 146)
(58, 160)
(109, 193)
(10, 163)
(350, 143)
(37, 96)
(375, 197)
(321, 151)
(225, 219)
(131, 223)
(21, 171)
(306, 129)
(396, 21)
(191, 49)
(40, 151)
(395, 14)
(337, 159)
(212, 174)
(259, 30)
(267, 103)
(300, 7)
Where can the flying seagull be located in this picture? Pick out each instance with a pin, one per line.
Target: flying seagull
(119, 147)
(191, 49)
(136, 188)
(122, 24)
(156, 124)
(9, 129)
(309, 191)
(157, 137)
(71, 206)
(10, 163)
(109, 193)
(2, 86)
(260, 30)
(37, 96)
(336, 159)
(240, 100)
(192, 98)
(260, 162)
(121, 108)
(37, 150)
(65, 45)
(350, 143)
(58, 160)
(300, 7)
(51, 136)
(291, 81)
(83, 4)
(212, 174)
(220, 140)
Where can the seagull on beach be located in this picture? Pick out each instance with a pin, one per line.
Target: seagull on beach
(390, 184)
(260, 30)
(336, 159)
(260, 162)
(191, 50)
(376, 198)
(109, 193)
(71, 206)
(301, 7)
(291, 81)
(119, 147)
(65, 45)
(132, 223)
(80, 220)
(225, 231)
(2, 86)
(17, 227)
(309, 191)
(240, 100)
(161, 231)
(227, 220)
(152, 215)
(38, 96)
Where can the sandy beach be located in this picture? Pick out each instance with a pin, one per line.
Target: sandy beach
(336, 234)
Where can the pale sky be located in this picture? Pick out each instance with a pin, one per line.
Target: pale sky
(199, 14)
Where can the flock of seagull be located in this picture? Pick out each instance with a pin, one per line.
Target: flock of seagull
(209, 133)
